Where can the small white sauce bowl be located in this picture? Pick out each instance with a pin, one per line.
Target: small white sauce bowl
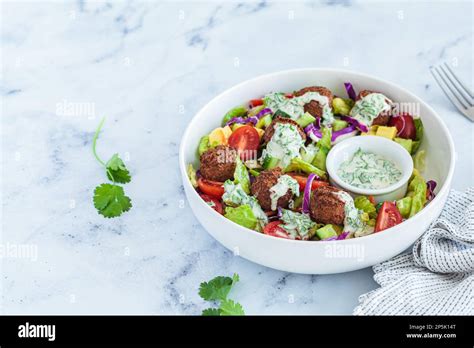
(388, 149)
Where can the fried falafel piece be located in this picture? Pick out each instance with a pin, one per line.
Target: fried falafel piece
(270, 130)
(326, 207)
(260, 189)
(218, 164)
(313, 107)
(383, 118)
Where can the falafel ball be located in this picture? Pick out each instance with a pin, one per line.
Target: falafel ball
(313, 107)
(270, 130)
(325, 207)
(383, 118)
(261, 189)
(218, 164)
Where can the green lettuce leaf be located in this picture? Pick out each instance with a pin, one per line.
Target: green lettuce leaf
(364, 204)
(192, 175)
(241, 176)
(203, 145)
(404, 206)
(419, 160)
(419, 135)
(417, 192)
(297, 164)
(242, 215)
(238, 111)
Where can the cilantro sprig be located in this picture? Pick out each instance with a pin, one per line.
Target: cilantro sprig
(110, 199)
(116, 170)
(217, 290)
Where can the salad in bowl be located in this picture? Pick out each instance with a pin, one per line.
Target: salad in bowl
(265, 166)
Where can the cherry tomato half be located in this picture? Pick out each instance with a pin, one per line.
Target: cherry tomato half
(245, 140)
(213, 202)
(405, 126)
(301, 179)
(255, 102)
(211, 188)
(273, 229)
(388, 216)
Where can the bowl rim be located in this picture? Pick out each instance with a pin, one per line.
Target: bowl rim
(254, 234)
(406, 170)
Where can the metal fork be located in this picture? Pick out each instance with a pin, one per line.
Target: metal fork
(456, 91)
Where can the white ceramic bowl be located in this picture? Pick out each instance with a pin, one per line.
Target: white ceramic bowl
(309, 256)
(384, 147)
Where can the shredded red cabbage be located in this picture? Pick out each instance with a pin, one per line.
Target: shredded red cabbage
(343, 131)
(242, 120)
(253, 119)
(312, 131)
(309, 128)
(318, 122)
(431, 185)
(237, 120)
(362, 127)
(251, 178)
(263, 113)
(307, 192)
(330, 238)
(343, 235)
(280, 213)
(350, 90)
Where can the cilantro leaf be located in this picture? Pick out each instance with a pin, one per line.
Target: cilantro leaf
(110, 200)
(211, 312)
(217, 288)
(229, 307)
(116, 170)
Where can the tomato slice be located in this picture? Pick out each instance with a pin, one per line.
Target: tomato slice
(372, 199)
(273, 229)
(289, 95)
(388, 216)
(245, 140)
(256, 102)
(405, 126)
(301, 179)
(213, 202)
(211, 188)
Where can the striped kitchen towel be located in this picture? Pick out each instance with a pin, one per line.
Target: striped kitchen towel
(437, 277)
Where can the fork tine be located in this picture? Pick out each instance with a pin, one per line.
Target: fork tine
(444, 88)
(451, 89)
(460, 82)
(461, 93)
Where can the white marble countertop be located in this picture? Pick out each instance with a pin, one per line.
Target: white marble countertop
(148, 67)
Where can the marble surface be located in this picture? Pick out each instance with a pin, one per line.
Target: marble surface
(148, 67)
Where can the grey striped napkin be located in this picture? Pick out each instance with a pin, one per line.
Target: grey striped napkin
(437, 277)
